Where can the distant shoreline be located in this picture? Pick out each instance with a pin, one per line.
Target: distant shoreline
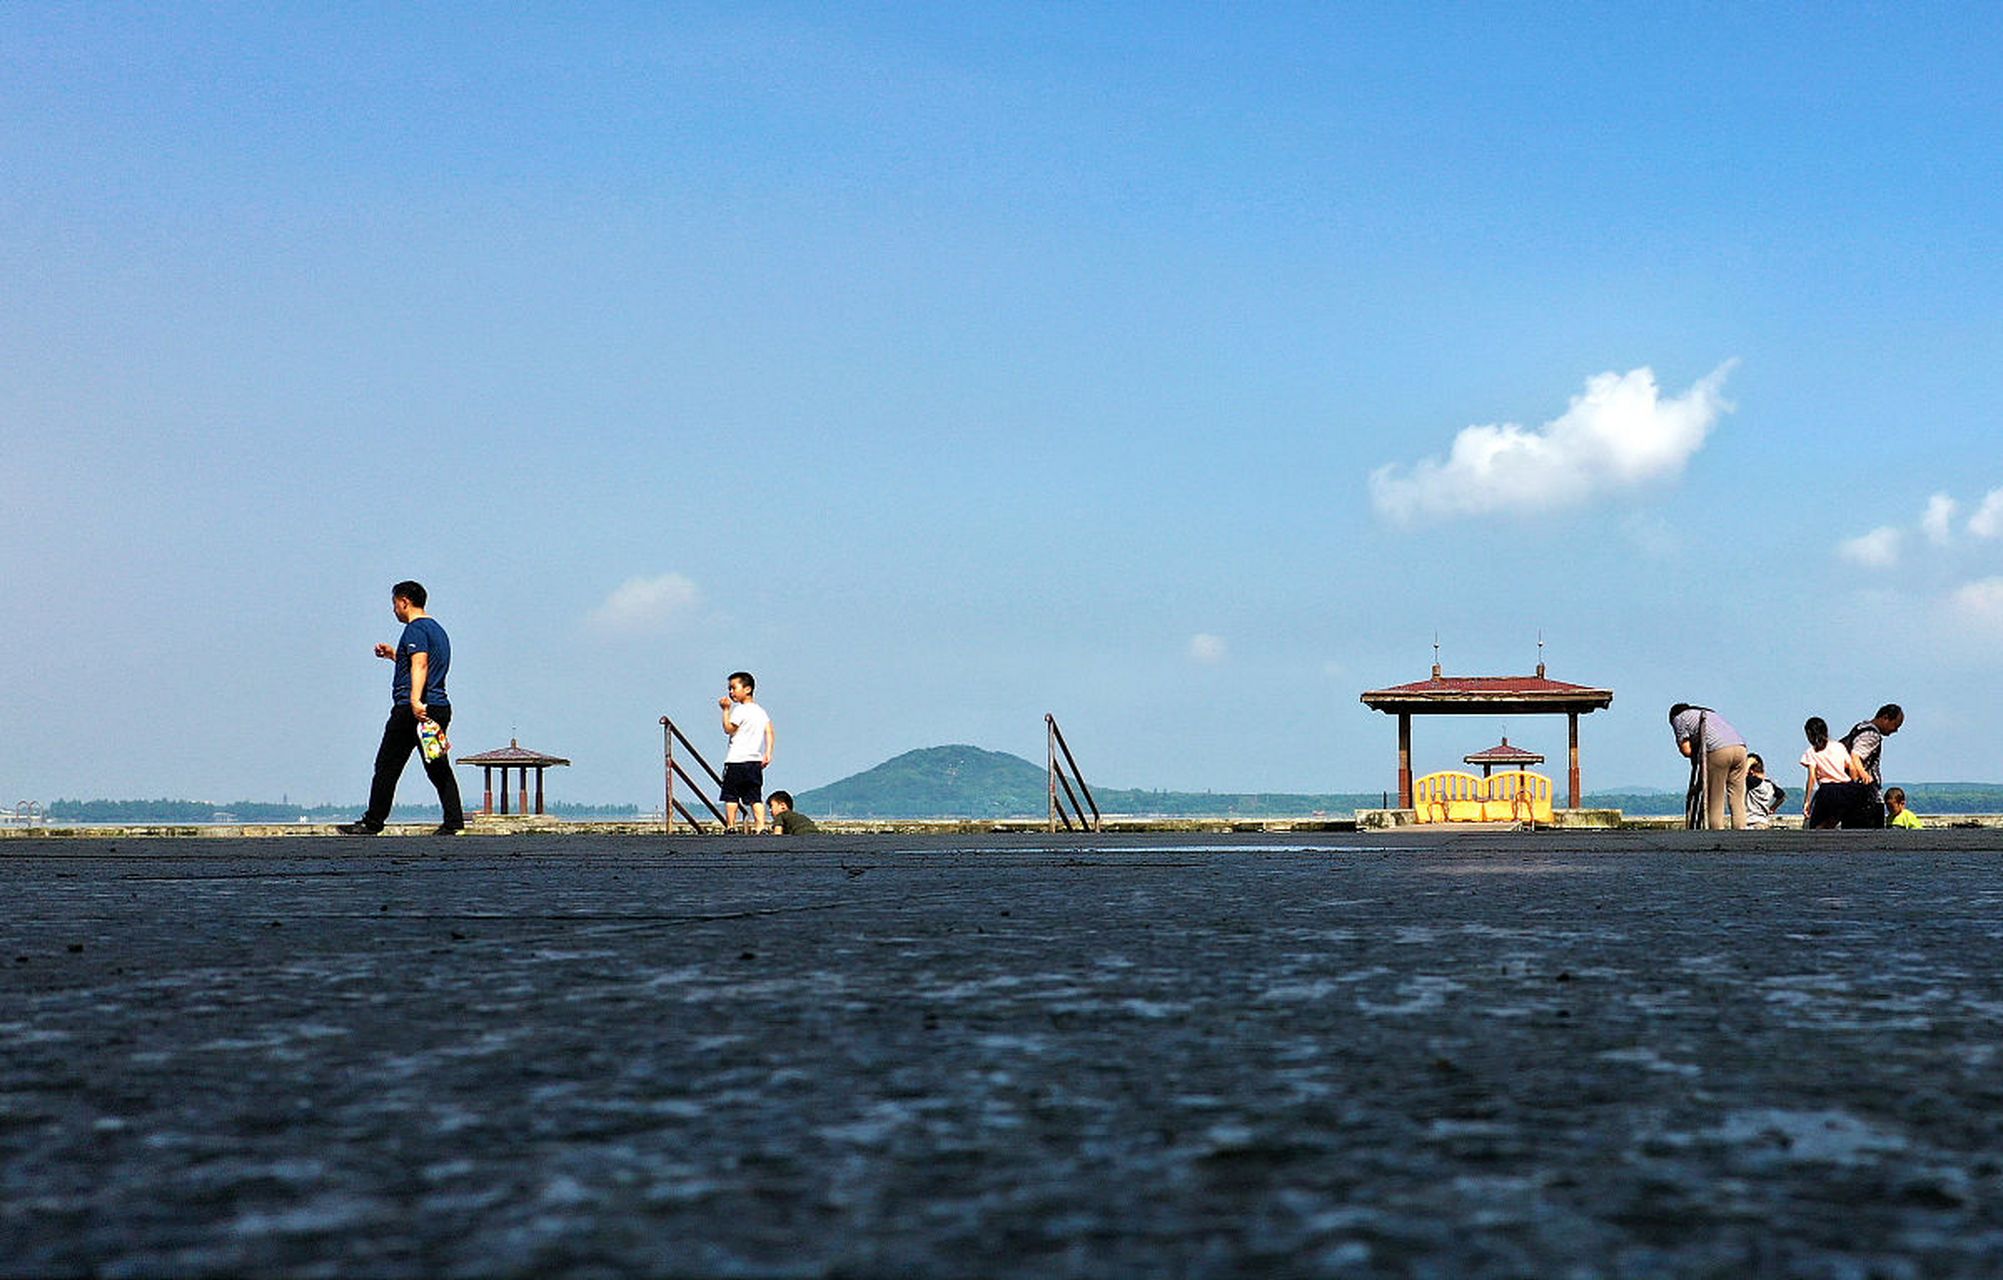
(1928, 799)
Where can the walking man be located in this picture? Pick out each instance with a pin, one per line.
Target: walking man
(422, 655)
(751, 739)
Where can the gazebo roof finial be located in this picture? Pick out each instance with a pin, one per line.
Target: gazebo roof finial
(1436, 655)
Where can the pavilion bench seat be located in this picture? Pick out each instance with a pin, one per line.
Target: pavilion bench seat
(1453, 796)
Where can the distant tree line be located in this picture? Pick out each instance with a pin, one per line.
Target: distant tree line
(1011, 798)
(261, 811)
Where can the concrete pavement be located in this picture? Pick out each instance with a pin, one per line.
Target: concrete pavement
(1583, 1054)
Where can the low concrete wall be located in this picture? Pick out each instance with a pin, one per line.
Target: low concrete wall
(514, 825)
(1562, 820)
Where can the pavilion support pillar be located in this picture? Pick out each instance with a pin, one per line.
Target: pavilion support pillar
(1572, 748)
(487, 785)
(525, 790)
(538, 791)
(1404, 760)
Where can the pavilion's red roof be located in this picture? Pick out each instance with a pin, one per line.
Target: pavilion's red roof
(1454, 693)
(1504, 754)
(513, 754)
(1513, 686)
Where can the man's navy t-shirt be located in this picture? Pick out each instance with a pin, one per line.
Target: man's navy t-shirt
(422, 635)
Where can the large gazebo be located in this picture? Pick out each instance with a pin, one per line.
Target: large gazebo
(512, 756)
(1486, 696)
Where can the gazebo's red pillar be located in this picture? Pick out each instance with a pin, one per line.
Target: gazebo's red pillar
(1404, 760)
(538, 791)
(487, 785)
(525, 790)
(1572, 742)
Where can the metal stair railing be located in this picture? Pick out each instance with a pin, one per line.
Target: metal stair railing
(672, 768)
(1063, 772)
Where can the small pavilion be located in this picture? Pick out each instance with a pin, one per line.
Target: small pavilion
(512, 756)
(1486, 696)
(1504, 756)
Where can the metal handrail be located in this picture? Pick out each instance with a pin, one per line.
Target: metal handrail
(672, 768)
(1055, 746)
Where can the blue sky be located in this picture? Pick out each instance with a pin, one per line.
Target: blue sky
(949, 365)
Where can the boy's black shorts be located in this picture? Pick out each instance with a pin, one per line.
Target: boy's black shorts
(743, 782)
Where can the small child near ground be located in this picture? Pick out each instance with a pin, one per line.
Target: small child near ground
(1896, 813)
(785, 820)
(1763, 796)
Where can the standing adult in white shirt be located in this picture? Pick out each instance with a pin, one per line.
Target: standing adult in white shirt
(751, 741)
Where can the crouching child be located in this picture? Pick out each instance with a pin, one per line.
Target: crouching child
(1764, 796)
(1896, 813)
(787, 821)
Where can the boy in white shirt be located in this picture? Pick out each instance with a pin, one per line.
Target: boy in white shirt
(751, 741)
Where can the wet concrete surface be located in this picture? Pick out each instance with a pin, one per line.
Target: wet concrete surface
(1598, 1054)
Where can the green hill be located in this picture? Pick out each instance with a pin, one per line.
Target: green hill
(968, 782)
(935, 782)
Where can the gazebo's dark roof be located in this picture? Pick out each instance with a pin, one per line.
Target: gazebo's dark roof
(1487, 695)
(513, 754)
(1504, 754)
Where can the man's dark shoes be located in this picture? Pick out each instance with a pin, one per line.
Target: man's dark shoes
(447, 829)
(358, 829)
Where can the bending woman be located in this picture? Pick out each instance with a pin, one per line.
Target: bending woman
(1703, 734)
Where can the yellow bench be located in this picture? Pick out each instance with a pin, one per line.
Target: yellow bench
(1449, 796)
(1453, 796)
(1519, 796)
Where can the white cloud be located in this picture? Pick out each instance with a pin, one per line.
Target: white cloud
(1981, 603)
(1617, 434)
(1987, 522)
(1208, 649)
(1938, 522)
(1878, 549)
(645, 605)
(1882, 547)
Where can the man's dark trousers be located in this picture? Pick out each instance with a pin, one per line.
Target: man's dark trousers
(1851, 805)
(399, 740)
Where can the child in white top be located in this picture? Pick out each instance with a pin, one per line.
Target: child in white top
(1826, 761)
